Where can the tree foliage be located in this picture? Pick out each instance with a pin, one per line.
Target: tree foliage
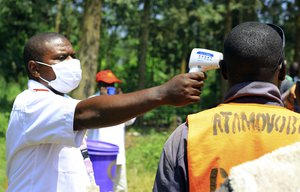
(121, 43)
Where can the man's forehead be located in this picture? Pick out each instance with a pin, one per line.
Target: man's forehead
(57, 45)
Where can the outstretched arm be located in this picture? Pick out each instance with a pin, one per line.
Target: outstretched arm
(102, 111)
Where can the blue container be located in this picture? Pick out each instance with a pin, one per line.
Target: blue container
(103, 156)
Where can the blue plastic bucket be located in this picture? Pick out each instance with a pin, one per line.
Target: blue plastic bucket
(103, 156)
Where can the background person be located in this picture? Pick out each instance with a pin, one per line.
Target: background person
(287, 83)
(249, 123)
(289, 89)
(106, 84)
(47, 127)
(294, 71)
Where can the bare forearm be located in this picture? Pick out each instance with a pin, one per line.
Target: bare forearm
(103, 111)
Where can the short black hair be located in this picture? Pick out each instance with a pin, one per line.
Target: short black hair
(252, 51)
(35, 47)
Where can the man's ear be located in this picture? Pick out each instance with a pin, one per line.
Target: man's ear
(33, 70)
(223, 68)
(282, 72)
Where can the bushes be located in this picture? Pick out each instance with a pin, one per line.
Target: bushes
(4, 116)
(8, 93)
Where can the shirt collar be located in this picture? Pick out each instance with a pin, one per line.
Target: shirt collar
(254, 92)
(34, 85)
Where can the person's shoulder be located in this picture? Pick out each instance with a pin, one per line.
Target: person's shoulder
(179, 132)
(23, 97)
(176, 142)
(45, 98)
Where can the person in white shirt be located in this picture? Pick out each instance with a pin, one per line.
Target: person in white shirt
(47, 127)
(106, 84)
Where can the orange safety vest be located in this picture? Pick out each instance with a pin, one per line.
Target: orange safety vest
(231, 134)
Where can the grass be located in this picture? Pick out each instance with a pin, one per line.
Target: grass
(142, 156)
(3, 125)
(3, 180)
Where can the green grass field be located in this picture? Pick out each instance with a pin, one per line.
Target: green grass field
(3, 180)
(142, 154)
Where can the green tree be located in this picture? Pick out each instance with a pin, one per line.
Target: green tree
(119, 37)
(18, 21)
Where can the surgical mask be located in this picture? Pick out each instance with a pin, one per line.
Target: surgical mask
(68, 75)
(111, 90)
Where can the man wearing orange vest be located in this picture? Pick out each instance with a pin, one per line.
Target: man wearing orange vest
(249, 123)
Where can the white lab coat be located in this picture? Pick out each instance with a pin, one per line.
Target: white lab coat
(42, 149)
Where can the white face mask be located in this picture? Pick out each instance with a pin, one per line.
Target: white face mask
(68, 75)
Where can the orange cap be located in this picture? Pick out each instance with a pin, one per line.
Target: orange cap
(107, 76)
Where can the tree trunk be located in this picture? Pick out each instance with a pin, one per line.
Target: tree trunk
(142, 51)
(297, 34)
(58, 16)
(183, 64)
(249, 11)
(89, 48)
(227, 28)
(109, 53)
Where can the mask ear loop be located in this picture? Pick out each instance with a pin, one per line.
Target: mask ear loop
(282, 35)
(41, 63)
(44, 79)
